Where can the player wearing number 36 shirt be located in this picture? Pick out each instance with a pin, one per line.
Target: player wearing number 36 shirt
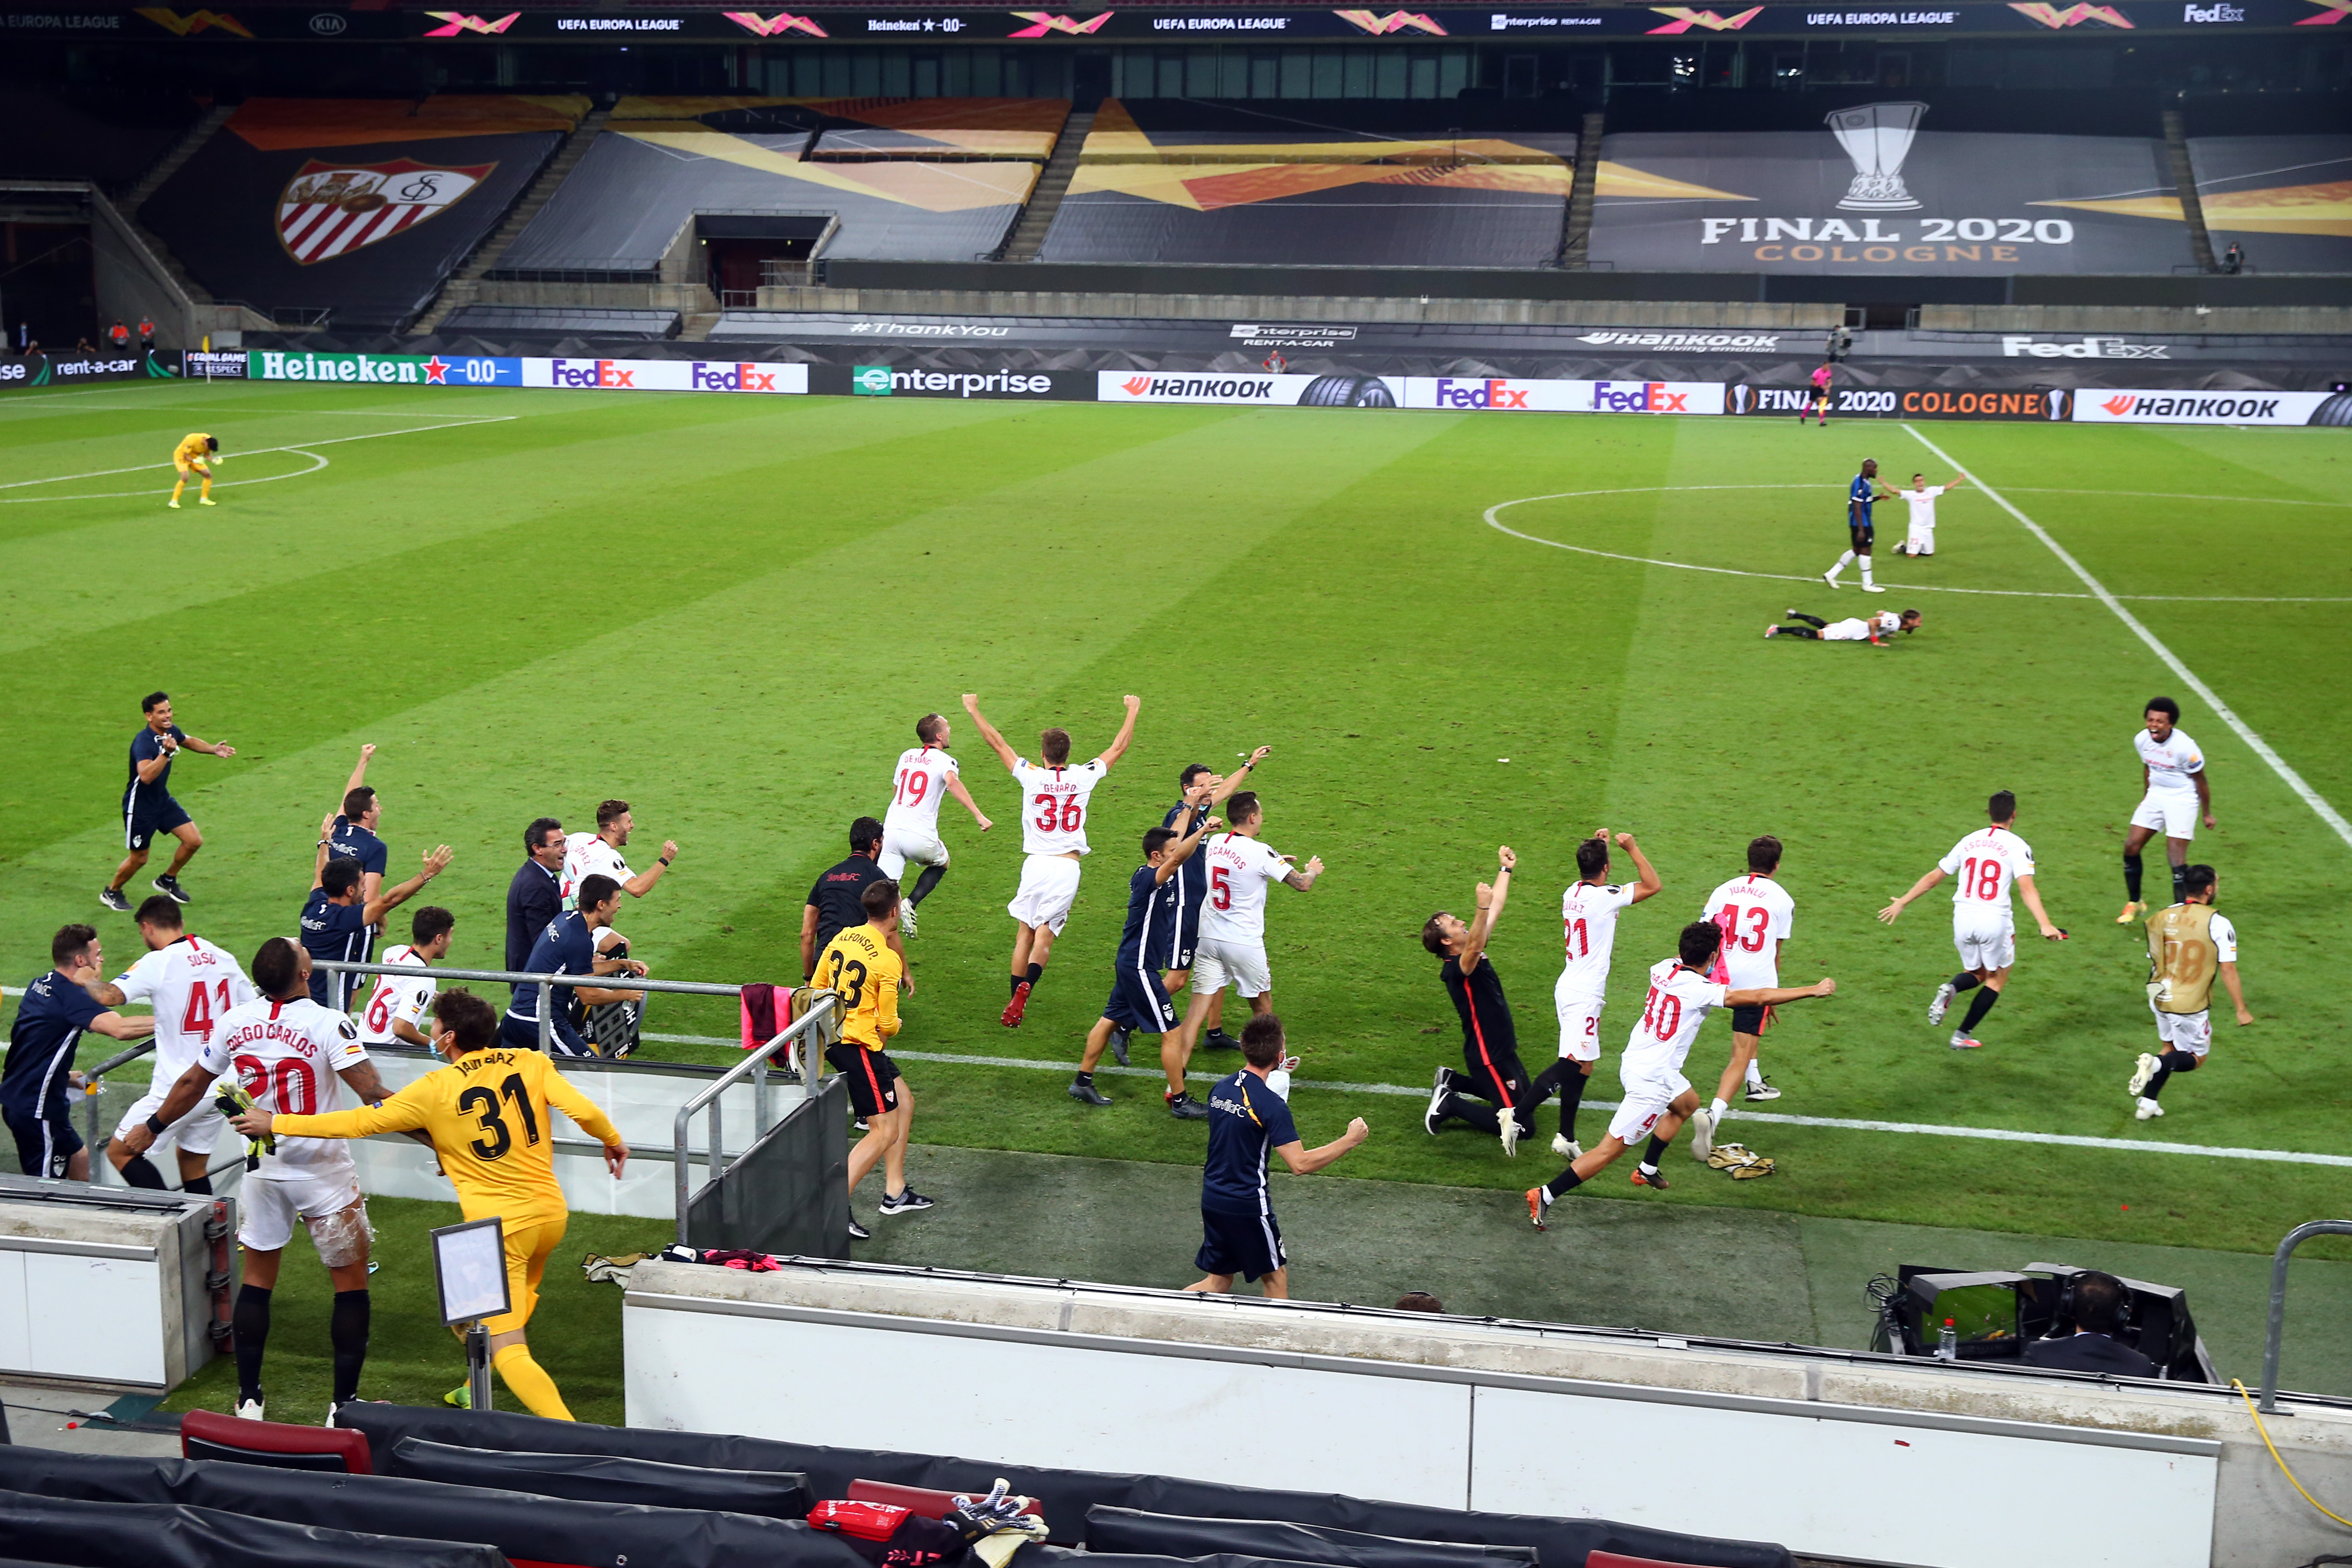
(1054, 800)
(1986, 864)
(926, 774)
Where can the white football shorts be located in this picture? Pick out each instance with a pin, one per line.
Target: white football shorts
(2190, 1032)
(2171, 812)
(269, 1205)
(1922, 541)
(1579, 1024)
(1647, 1100)
(1049, 886)
(1985, 944)
(1220, 962)
(900, 846)
(195, 1132)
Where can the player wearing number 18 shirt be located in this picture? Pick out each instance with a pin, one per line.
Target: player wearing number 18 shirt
(191, 986)
(910, 828)
(1986, 864)
(1054, 800)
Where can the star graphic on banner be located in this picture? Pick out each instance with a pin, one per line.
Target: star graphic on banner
(435, 372)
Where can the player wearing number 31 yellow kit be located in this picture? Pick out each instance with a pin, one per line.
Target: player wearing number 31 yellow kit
(488, 1113)
(196, 454)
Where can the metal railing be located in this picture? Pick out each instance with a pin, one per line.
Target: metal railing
(810, 1070)
(2293, 1239)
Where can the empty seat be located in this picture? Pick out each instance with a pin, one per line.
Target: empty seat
(206, 1436)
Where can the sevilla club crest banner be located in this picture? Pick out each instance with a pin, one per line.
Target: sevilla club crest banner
(333, 209)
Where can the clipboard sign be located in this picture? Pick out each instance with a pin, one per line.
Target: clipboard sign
(470, 1267)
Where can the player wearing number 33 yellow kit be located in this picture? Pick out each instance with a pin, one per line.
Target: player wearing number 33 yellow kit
(489, 1113)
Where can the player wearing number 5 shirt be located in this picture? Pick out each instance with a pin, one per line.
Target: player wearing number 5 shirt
(1987, 863)
(1053, 799)
(910, 828)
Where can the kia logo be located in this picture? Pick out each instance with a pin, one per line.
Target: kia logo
(326, 23)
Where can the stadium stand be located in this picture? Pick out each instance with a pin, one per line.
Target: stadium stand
(1182, 181)
(558, 321)
(352, 211)
(671, 174)
(2286, 200)
(45, 136)
(950, 128)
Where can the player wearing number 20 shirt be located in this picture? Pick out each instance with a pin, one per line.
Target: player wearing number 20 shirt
(288, 1056)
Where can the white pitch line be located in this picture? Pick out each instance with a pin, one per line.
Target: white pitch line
(316, 463)
(258, 451)
(2245, 731)
(1921, 1129)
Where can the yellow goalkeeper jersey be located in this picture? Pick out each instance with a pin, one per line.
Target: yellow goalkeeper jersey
(488, 1116)
(192, 449)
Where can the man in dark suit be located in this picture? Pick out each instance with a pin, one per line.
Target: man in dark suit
(2098, 1312)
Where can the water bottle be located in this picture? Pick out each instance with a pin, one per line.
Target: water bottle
(1947, 1343)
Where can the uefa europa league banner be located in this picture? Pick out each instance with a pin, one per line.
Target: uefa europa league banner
(1878, 190)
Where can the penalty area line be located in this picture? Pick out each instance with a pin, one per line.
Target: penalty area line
(2245, 731)
(261, 452)
(1915, 1128)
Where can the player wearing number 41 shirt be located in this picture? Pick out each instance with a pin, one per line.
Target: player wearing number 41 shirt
(910, 829)
(1587, 920)
(1987, 863)
(1053, 799)
(290, 1055)
(1658, 1098)
(191, 986)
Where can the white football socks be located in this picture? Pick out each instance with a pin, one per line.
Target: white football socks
(1865, 570)
(1718, 1108)
(1841, 563)
(1755, 1075)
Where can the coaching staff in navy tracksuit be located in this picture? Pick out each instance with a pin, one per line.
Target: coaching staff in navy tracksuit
(148, 807)
(339, 915)
(1247, 1121)
(568, 946)
(34, 1080)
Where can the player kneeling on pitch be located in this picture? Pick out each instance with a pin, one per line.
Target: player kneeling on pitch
(1875, 629)
(2189, 945)
(487, 1114)
(1658, 1098)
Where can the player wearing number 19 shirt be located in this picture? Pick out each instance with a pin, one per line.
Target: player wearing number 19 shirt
(1054, 800)
(1588, 919)
(910, 828)
(191, 986)
(1987, 863)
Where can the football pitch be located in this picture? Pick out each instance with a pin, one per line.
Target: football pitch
(1455, 630)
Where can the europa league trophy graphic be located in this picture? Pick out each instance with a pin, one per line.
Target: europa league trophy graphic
(1877, 137)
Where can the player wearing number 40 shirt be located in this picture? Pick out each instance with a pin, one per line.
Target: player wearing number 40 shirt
(1987, 863)
(910, 829)
(489, 1116)
(287, 1054)
(191, 986)
(1053, 799)
(1658, 1098)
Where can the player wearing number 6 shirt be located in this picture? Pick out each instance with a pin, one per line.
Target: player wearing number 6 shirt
(191, 986)
(910, 828)
(489, 1116)
(394, 1013)
(1987, 863)
(1755, 914)
(1658, 1098)
(1588, 921)
(1053, 799)
(290, 1055)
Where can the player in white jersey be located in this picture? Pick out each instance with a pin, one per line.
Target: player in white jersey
(598, 854)
(288, 1054)
(1921, 499)
(1986, 864)
(1658, 1098)
(1054, 800)
(396, 1009)
(910, 828)
(1878, 630)
(2174, 797)
(190, 985)
(1588, 923)
(1755, 915)
(1231, 953)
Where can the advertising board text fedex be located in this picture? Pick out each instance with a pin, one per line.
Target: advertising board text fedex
(590, 373)
(1491, 393)
(1644, 398)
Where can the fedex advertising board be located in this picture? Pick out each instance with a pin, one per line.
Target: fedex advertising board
(2102, 406)
(1515, 394)
(665, 376)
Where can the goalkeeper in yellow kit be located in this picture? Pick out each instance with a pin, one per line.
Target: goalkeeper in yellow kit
(195, 455)
(488, 1115)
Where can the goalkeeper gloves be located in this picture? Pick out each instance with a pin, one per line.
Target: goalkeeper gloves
(232, 1101)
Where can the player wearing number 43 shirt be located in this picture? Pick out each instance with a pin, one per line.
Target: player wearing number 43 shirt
(1588, 921)
(910, 829)
(1755, 914)
(191, 986)
(1658, 1098)
(489, 1116)
(1987, 863)
(290, 1055)
(1053, 799)
(2188, 946)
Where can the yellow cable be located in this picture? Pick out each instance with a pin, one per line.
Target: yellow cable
(2298, 1485)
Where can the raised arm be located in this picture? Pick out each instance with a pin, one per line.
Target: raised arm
(638, 886)
(1305, 1162)
(216, 748)
(1490, 909)
(1224, 792)
(403, 1112)
(359, 776)
(1894, 912)
(2032, 897)
(1304, 876)
(1649, 886)
(1182, 851)
(955, 788)
(1956, 481)
(1778, 996)
(988, 732)
(1118, 747)
(392, 899)
(319, 866)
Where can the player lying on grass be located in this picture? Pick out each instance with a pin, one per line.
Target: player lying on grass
(2189, 945)
(1658, 1098)
(1875, 629)
(196, 454)
(1988, 862)
(1139, 1000)
(487, 1114)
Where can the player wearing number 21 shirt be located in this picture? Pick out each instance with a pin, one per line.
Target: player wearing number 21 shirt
(1588, 923)
(1986, 864)
(925, 776)
(1054, 800)
(191, 986)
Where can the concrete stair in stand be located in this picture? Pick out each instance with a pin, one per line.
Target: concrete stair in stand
(1029, 233)
(152, 180)
(463, 285)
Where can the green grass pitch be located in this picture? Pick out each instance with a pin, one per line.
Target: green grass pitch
(730, 611)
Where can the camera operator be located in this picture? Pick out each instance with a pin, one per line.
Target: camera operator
(2093, 1347)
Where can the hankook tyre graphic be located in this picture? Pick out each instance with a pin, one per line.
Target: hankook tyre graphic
(1346, 392)
(2337, 410)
